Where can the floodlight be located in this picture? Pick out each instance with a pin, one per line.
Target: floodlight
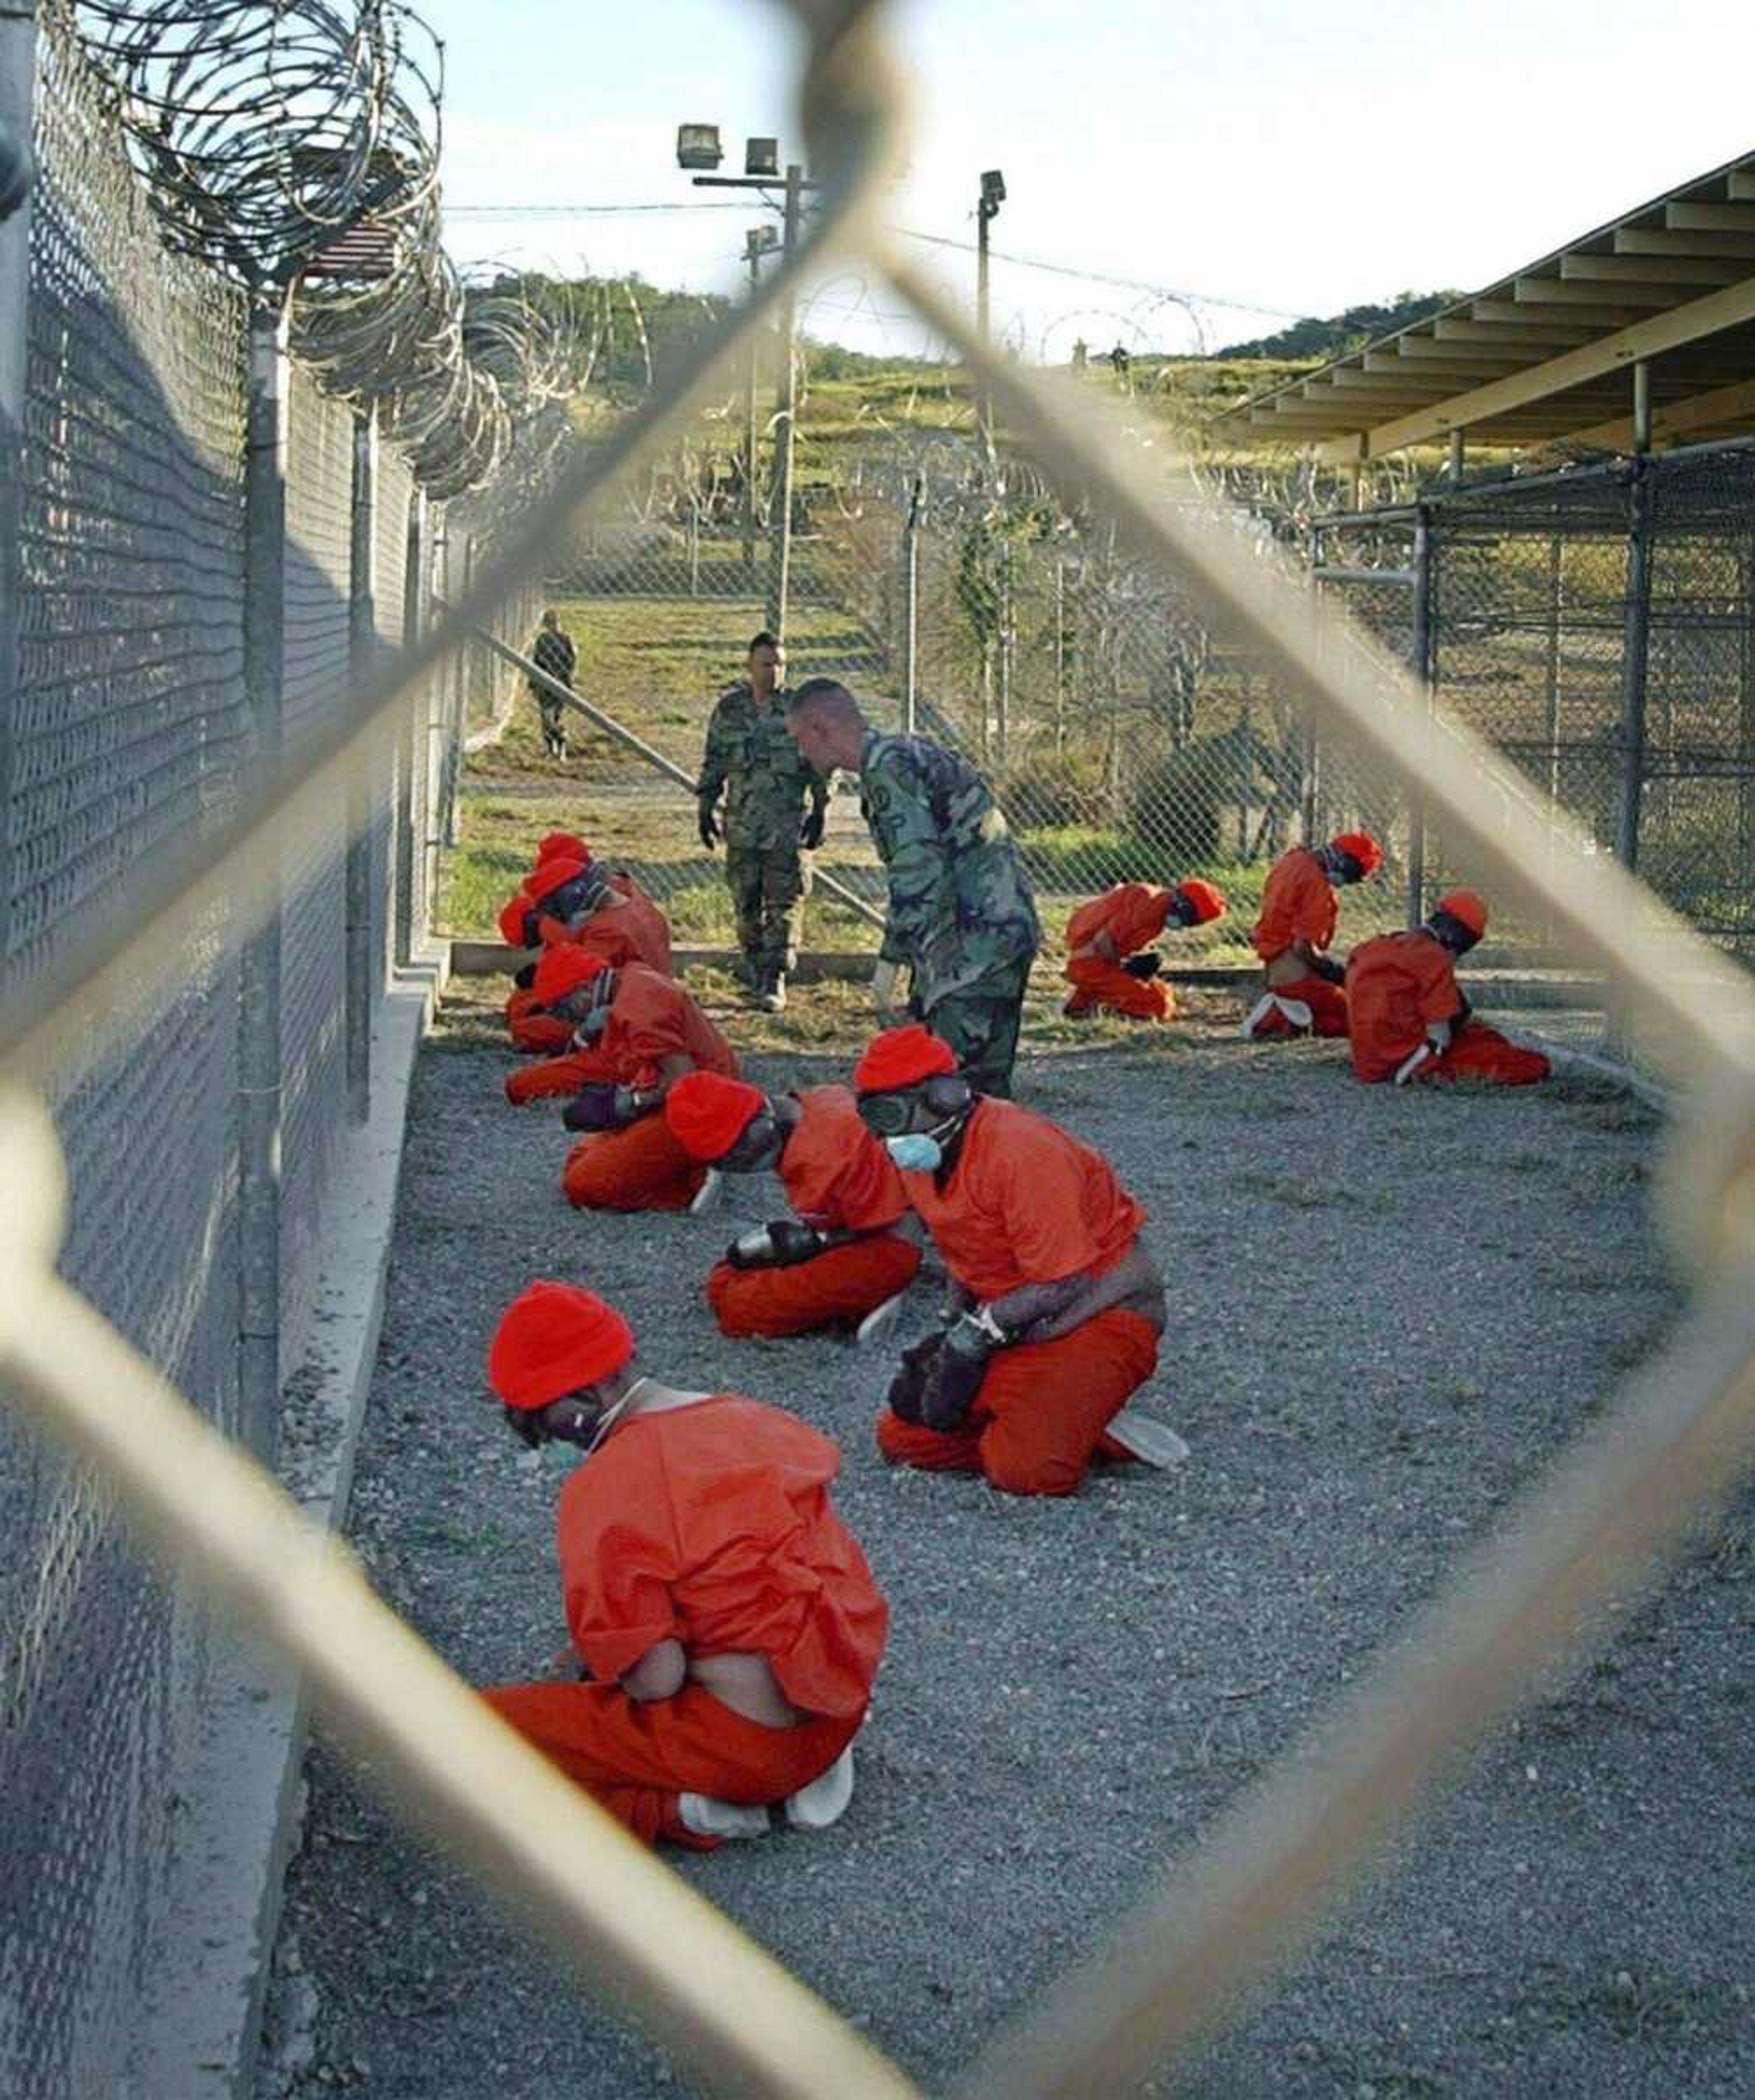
(993, 188)
(761, 157)
(698, 145)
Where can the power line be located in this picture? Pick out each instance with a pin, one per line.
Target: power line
(1098, 277)
(574, 210)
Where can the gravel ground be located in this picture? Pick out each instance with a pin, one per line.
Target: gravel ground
(1387, 1310)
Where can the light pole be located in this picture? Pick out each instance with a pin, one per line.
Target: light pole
(698, 148)
(758, 241)
(987, 211)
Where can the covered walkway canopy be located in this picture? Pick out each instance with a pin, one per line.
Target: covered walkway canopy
(1642, 331)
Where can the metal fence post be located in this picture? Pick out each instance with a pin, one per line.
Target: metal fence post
(780, 522)
(910, 630)
(259, 1107)
(362, 660)
(1635, 655)
(1746, 711)
(1420, 663)
(406, 753)
(17, 70)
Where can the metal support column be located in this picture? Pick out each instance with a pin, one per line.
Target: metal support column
(259, 1107)
(780, 520)
(752, 255)
(1420, 663)
(411, 752)
(18, 68)
(362, 660)
(1636, 634)
(911, 615)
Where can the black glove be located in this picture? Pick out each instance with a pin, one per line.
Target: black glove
(810, 832)
(782, 1245)
(525, 977)
(593, 1108)
(955, 1377)
(705, 825)
(1146, 965)
(903, 1398)
(1330, 971)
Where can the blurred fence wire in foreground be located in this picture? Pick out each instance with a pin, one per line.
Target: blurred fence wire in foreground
(212, 865)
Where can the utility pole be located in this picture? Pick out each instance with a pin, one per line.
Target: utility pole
(780, 522)
(987, 211)
(757, 242)
(698, 147)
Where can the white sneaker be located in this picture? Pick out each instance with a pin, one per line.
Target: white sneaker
(707, 1196)
(879, 1324)
(824, 1801)
(707, 1816)
(1152, 1442)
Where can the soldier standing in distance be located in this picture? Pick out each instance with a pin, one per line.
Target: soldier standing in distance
(553, 652)
(961, 915)
(768, 830)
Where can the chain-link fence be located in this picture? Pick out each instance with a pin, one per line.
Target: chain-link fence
(146, 678)
(142, 572)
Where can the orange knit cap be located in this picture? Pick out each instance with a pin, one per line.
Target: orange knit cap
(1464, 906)
(562, 969)
(1364, 849)
(902, 1057)
(1208, 902)
(708, 1113)
(512, 919)
(562, 845)
(553, 1339)
(548, 875)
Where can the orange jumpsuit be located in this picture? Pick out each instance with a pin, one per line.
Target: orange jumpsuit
(1298, 903)
(1132, 915)
(643, 1168)
(1397, 983)
(709, 1524)
(1026, 1203)
(838, 1178)
(635, 931)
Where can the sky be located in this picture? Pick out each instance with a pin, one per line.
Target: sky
(1260, 158)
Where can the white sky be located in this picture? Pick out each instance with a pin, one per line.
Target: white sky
(1295, 157)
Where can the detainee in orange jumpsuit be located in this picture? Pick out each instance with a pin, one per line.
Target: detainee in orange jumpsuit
(725, 1622)
(572, 987)
(579, 902)
(1110, 965)
(652, 1034)
(1060, 1305)
(1410, 1020)
(1301, 982)
(841, 1263)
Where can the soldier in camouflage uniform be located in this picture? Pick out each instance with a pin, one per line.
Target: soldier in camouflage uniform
(553, 652)
(768, 830)
(961, 916)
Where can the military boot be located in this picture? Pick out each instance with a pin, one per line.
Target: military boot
(770, 990)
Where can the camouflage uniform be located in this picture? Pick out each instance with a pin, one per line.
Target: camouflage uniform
(751, 753)
(554, 652)
(961, 914)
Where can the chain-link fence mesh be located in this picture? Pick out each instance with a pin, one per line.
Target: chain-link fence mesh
(951, 591)
(130, 735)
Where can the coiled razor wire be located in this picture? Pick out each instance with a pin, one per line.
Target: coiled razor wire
(294, 146)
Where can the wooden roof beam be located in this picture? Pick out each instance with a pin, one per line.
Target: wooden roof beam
(1620, 270)
(1666, 241)
(1515, 310)
(1730, 307)
(1565, 292)
(1520, 334)
(1710, 217)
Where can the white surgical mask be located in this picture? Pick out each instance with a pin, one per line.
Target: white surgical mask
(915, 1153)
